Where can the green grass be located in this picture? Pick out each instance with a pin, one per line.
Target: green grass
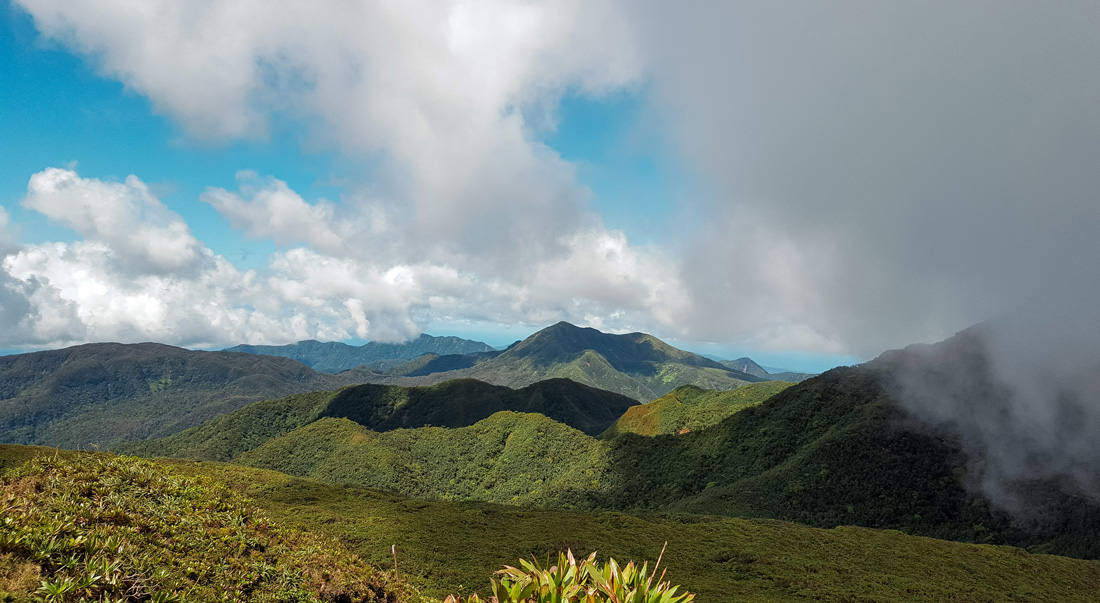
(448, 547)
(96, 527)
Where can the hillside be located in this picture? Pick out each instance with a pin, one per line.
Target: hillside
(636, 365)
(689, 408)
(334, 356)
(833, 450)
(447, 547)
(453, 547)
(456, 403)
(520, 459)
(103, 528)
(97, 394)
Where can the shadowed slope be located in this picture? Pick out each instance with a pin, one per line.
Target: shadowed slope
(456, 403)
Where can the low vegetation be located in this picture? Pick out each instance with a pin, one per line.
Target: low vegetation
(451, 547)
(585, 582)
(447, 547)
(105, 528)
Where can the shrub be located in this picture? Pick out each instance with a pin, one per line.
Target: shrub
(583, 582)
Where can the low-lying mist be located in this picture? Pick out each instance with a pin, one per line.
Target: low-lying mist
(1023, 397)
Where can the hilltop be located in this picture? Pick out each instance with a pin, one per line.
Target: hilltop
(334, 356)
(689, 408)
(100, 393)
(636, 364)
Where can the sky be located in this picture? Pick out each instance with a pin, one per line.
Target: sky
(805, 184)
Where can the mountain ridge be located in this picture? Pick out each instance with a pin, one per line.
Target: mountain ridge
(335, 356)
(638, 365)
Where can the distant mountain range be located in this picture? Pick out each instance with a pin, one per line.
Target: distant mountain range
(746, 365)
(99, 393)
(334, 356)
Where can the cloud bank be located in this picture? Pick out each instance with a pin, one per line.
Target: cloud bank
(871, 174)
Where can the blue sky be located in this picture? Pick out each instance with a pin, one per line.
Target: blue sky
(805, 187)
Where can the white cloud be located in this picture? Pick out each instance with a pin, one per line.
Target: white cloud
(438, 89)
(276, 212)
(89, 290)
(144, 236)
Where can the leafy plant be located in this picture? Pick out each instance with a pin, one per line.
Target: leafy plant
(582, 582)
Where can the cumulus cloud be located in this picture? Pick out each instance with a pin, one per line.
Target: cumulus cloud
(276, 212)
(143, 235)
(876, 173)
(91, 290)
(438, 91)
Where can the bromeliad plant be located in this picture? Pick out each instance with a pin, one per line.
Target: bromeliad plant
(585, 582)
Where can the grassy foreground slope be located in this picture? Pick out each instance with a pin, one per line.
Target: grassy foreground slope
(456, 403)
(447, 547)
(95, 527)
(690, 408)
(96, 394)
(453, 547)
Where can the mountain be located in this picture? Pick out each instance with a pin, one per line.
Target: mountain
(636, 365)
(833, 450)
(334, 356)
(456, 403)
(746, 365)
(791, 376)
(689, 408)
(97, 394)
